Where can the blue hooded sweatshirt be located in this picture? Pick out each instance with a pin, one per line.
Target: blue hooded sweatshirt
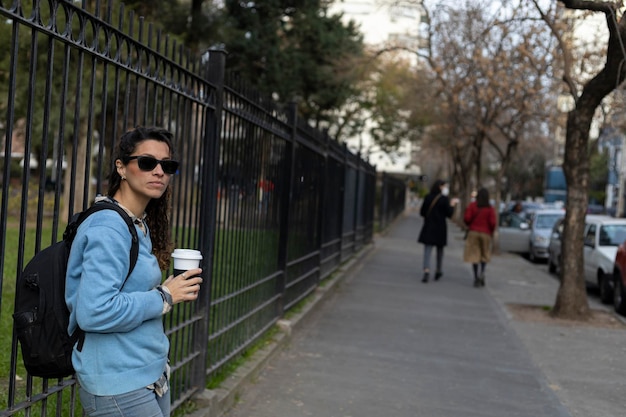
(125, 346)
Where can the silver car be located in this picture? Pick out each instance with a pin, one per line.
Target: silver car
(530, 234)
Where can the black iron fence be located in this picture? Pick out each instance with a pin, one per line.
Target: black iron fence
(274, 205)
(392, 198)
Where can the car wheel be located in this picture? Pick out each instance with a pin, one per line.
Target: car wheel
(619, 303)
(606, 290)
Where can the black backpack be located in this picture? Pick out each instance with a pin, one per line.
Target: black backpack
(41, 316)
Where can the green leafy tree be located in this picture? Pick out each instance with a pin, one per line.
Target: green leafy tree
(198, 22)
(394, 103)
(294, 50)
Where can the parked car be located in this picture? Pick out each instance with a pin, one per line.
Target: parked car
(603, 235)
(529, 235)
(513, 232)
(541, 223)
(554, 247)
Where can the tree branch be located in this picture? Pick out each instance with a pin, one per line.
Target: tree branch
(568, 59)
(594, 6)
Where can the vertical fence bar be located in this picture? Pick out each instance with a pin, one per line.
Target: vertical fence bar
(343, 197)
(210, 156)
(357, 196)
(285, 208)
(372, 201)
(384, 201)
(342, 202)
(322, 201)
(4, 201)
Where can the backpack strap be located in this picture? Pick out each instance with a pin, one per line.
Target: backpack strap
(77, 219)
(70, 234)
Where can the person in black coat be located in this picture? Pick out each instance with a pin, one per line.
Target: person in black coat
(436, 208)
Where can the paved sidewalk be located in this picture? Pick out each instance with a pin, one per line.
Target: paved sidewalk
(384, 344)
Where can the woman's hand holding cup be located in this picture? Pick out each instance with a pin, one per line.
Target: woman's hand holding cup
(185, 283)
(184, 286)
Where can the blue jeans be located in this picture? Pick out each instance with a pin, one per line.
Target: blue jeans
(428, 249)
(139, 403)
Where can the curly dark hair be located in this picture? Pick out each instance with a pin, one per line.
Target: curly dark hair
(157, 211)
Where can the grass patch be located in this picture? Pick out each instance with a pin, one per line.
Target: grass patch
(185, 409)
(299, 307)
(218, 377)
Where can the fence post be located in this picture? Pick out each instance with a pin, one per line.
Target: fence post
(343, 200)
(384, 203)
(285, 207)
(322, 202)
(357, 192)
(372, 191)
(208, 208)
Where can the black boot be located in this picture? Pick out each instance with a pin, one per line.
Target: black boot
(482, 279)
(438, 275)
(476, 282)
(425, 279)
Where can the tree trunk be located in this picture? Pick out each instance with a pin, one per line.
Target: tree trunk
(461, 165)
(496, 197)
(571, 301)
(478, 146)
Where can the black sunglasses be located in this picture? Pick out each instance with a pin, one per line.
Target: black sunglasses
(148, 163)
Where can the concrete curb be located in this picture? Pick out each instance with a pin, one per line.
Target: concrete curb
(216, 402)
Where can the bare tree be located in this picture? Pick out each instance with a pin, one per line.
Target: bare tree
(571, 301)
(490, 66)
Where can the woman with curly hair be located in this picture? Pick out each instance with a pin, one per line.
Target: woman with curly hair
(121, 365)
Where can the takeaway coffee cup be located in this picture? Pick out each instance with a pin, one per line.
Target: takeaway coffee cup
(186, 259)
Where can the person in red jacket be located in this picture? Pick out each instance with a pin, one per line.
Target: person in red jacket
(480, 218)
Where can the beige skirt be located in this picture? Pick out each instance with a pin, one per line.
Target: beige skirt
(477, 247)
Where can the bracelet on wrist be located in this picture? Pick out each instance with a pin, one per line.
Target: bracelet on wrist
(167, 297)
